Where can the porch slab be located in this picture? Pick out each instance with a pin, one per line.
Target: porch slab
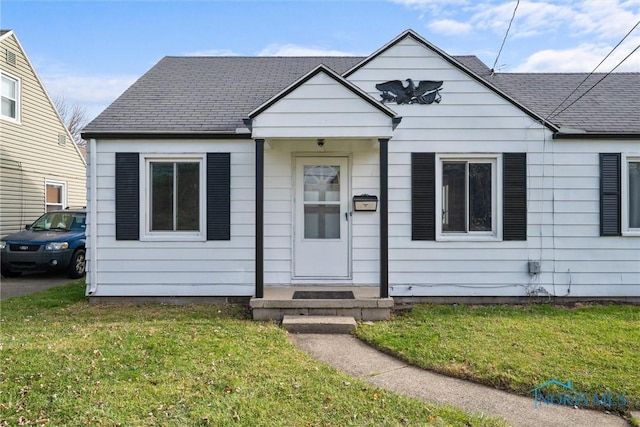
(322, 303)
(278, 302)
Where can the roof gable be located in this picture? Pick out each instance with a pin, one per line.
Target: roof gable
(322, 104)
(471, 68)
(335, 77)
(33, 93)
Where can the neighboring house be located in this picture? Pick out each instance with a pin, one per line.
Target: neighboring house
(41, 168)
(222, 176)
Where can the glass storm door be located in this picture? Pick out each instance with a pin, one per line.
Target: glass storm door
(321, 248)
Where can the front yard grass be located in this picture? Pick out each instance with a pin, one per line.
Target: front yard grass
(65, 362)
(517, 348)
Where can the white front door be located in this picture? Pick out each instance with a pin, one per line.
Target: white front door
(321, 247)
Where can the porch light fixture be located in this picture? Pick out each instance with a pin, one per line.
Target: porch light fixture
(365, 202)
(320, 144)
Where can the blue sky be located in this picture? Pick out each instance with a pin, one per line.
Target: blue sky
(89, 52)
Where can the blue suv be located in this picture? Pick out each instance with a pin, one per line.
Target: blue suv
(54, 242)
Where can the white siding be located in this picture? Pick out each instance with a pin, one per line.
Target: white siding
(321, 108)
(278, 215)
(586, 263)
(563, 194)
(207, 268)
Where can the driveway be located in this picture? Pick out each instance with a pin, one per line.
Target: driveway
(30, 283)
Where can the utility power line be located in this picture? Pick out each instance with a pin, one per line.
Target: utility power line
(594, 70)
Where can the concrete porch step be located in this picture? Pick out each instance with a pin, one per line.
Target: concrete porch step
(360, 309)
(278, 302)
(319, 324)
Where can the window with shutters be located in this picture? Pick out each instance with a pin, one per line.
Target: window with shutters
(631, 196)
(467, 189)
(174, 202)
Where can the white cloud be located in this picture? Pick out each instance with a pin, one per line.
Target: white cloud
(531, 17)
(297, 50)
(606, 19)
(88, 88)
(450, 27)
(430, 8)
(94, 93)
(582, 58)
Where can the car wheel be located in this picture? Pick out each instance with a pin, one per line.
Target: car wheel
(8, 273)
(78, 264)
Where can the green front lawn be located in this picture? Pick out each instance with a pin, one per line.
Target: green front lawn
(65, 362)
(517, 348)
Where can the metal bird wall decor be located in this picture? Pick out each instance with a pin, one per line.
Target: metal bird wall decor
(427, 92)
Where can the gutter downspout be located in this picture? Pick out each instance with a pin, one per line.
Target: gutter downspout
(92, 285)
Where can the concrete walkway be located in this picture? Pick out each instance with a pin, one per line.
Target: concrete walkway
(352, 356)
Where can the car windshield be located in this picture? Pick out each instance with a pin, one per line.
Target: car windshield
(60, 221)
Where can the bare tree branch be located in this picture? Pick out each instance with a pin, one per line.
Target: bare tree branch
(74, 117)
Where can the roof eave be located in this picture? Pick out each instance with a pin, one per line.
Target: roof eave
(165, 135)
(597, 135)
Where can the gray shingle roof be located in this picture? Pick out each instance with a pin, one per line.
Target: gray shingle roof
(613, 106)
(205, 94)
(191, 95)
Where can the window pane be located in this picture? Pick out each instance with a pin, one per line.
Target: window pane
(321, 183)
(54, 193)
(634, 194)
(161, 196)
(8, 87)
(9, 96)
(322, 221)
(8, 108)
(453, 196)
(188, 194)
(480, 197)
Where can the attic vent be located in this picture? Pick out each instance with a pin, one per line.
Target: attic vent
(62, 139)
(11, 58)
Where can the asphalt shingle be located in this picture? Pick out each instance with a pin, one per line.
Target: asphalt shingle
(214, 94)
(205, 94)
(612, 106)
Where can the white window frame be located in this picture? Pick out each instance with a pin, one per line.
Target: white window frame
(145, 201)
(63, 185)
(624, 196)
(496, 197)
(17, 99)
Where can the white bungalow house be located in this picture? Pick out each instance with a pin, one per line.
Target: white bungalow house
(410, 171)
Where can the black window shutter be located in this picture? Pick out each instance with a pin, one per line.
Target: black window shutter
(610, 194)
(218, 196)
(514, 202)
(127, 196)
(423, 196)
